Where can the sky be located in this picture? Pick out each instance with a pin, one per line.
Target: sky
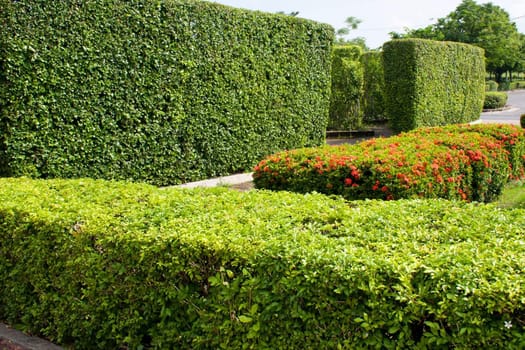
(379, 17)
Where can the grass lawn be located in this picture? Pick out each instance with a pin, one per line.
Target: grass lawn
(513, 196)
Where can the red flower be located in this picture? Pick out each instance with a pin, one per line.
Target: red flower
(348, 181)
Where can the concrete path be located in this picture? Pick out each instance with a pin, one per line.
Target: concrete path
(511, 115)
(223, 180)
(11, 339)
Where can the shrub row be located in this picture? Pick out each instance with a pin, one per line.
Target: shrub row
(431, 83)
(95, 264)
(495, 99)
(161, 91)
(347, 88)
(456, 162)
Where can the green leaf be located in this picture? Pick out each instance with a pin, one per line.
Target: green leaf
(245, 319)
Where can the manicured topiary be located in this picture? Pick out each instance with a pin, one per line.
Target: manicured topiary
(163, 91)
(373, 104)
(431, 83)
(347, 88)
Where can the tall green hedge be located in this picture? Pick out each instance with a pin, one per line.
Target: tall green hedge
(430, 83)
(373, 101)
(163, 91)
(105, 265)
(347, 88)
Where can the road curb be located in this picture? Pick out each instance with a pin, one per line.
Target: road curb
(223, 180)
(11, 339)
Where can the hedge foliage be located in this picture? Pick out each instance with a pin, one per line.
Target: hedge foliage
(466, 162)
(373, 101)
(163, 91)
(432, 83)
(495, 99)
(347, 88)
(98, 264)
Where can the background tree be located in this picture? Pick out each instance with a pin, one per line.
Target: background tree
(351, 23)
(487, 26)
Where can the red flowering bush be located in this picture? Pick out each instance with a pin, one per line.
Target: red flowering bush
(472, 163)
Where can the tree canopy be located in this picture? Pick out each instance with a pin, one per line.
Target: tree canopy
(351, 23)
(487, 26)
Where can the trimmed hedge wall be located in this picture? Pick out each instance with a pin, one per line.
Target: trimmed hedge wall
(456, 162)
(99, 264)
(161, 91)
(431, 83)
(374, 87)
(347, 88)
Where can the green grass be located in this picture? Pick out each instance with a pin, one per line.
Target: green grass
(513, 196)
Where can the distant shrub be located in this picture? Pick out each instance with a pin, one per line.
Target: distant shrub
(491, 85)
(495, 100)
(458, 162)
(517, 85)
(347, 88)
(431, 83)
(505, 85)
(522, 120)
(104, 265)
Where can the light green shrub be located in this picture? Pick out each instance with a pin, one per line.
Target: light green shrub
(491, 85)
(107, 265)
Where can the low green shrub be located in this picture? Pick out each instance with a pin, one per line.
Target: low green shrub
(495, 100)
(491, 85)
(522, 120)
(456, 162)
(112, 265)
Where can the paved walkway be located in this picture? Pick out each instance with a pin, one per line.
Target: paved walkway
(11, 339)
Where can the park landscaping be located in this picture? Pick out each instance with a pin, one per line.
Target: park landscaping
(391, 243)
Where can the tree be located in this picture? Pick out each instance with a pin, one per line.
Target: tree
(351, 23)
(487, 26)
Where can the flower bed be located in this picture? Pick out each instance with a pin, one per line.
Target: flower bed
(472, 163)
